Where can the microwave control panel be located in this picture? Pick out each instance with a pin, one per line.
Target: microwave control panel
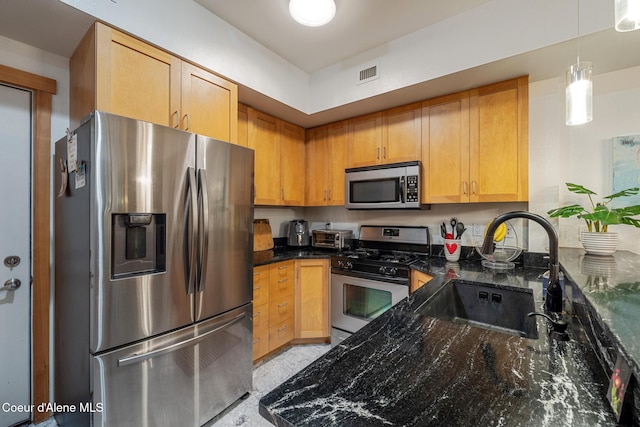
(412, 188)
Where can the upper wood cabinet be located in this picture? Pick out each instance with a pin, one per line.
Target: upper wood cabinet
(445, 149)
(499, 141)
(365, 140)
(243, 125)
(113, 72)
(279, 159)
(208, 104)
(264, 138)
(387, 137)
(475, 145)
(292, 164)
(401, 133)
(327, 157)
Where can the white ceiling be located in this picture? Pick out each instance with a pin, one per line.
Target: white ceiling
(359, 25)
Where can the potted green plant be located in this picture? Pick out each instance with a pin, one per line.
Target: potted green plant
(598, 216)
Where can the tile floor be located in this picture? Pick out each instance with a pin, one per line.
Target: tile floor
(267, 374)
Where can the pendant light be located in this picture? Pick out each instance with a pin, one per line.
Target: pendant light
(579, 90)
(312, 13)
(627, 15)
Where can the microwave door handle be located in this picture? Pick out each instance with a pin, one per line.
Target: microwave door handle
(402, 189)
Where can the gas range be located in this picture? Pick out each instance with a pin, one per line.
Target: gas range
(384, 253)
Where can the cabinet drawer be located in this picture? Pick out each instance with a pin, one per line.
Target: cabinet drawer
(260, 343)
(281, 309)
(260, 285)
(281, 278)
(260, 317)
(280, 334)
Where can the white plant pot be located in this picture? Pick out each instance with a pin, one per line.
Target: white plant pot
(599, 243)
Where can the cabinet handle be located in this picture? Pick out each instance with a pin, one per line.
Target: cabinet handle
(257, 273)
(473, 187)
(257, 288)
(378, 153)
(282, 280)
(282, 267)
(188, 118)
(257, 341)
(284, 304)
(257, 314)
(176, 114)
(384, 152)
(464, 187)
(329, 194)
(282, 329)
(325, 195)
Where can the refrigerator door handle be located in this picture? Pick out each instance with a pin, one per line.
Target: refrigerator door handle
(192, 237)
(140, 357)
(203, 212)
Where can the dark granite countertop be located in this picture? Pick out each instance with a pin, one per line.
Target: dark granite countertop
(408, 369)
(285, 253)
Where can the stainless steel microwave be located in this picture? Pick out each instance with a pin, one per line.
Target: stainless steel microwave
(391, 186)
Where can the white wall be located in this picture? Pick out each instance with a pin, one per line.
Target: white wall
(28, 58)
(579, 154)
(495, 30)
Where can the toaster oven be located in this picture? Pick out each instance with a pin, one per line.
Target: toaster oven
(333, 239)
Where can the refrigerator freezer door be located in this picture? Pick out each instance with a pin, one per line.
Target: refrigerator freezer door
(139, 168)
(225, 177)
(184, 378)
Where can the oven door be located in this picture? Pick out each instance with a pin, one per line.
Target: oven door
(355, 301)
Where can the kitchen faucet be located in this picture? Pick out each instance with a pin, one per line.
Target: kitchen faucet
(553, 299)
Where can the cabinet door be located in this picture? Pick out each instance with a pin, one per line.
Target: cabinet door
(318, 155)
(136, 80)
(264, 138)
(401, 134)
(243, 126)
(418, 280)
(445, 149)
(209, 104)
(499, 128)
(292, 164)
(338, 161)
(312, 299)
(365, 140)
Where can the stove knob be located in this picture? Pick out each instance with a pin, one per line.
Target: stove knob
(393, 271)
(340, 263)
(349, 265)
(383, 270)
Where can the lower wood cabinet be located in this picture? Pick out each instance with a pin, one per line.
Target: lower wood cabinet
(273, 307)
(312, 299)
(418, 279)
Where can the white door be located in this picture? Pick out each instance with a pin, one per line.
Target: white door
(15, 243)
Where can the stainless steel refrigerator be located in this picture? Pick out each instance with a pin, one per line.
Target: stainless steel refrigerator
(153, 271)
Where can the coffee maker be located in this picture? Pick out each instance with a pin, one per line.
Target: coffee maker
(298, 233)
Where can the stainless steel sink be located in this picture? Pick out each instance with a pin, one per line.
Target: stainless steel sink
(495, 307)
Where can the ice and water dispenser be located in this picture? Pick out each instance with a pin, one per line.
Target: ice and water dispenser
(138, 244)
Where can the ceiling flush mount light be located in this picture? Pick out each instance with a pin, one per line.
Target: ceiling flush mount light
(627, 15)
(312, 13)
(579, 91)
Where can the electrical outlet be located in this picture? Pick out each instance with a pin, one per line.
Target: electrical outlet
(478, 230)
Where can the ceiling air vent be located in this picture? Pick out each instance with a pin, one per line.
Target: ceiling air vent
(368, 74)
